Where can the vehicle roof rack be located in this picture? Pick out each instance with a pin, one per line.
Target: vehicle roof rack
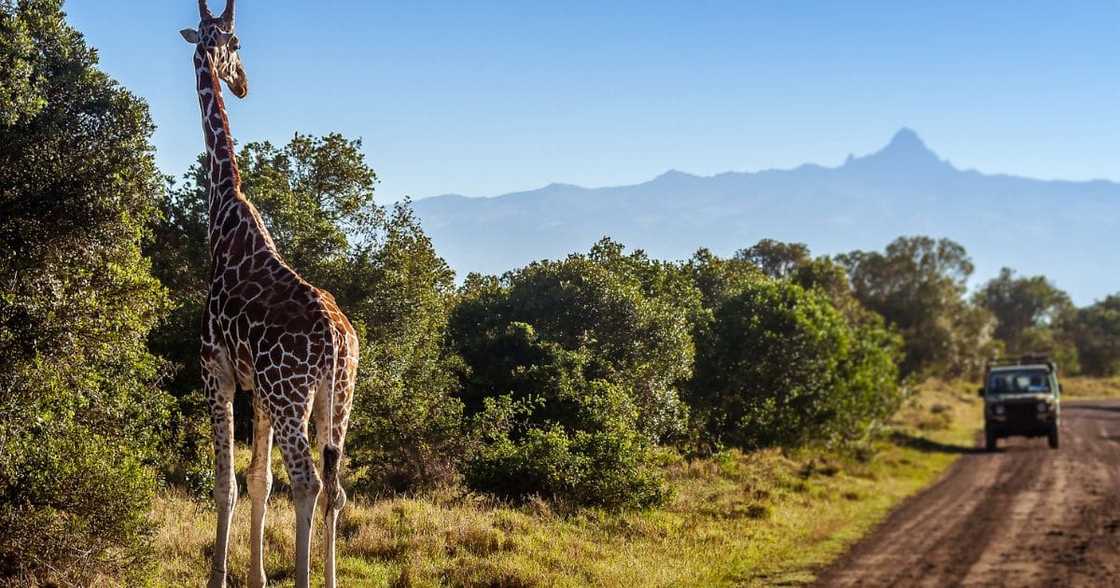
(1025, 359)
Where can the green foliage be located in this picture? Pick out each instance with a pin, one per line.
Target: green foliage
(1096, 332)
(775, 258)
(1022, 307)
(558, 434)
(80, 414)
(407, 429)
(316, 196)
(918, 286)
(781, 366)
(592, 350)
(630, 313)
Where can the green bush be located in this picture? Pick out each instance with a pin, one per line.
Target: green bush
(559, 435)
(781, 366)
(630, 314)
(79, 511)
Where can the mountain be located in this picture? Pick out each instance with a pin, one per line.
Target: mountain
(1069, 231)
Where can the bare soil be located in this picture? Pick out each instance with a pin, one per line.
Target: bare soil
(1023, 516)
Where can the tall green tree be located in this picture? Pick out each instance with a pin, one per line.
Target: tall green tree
(1096, 332)
(407, 432)
(918, 284)
(80, 412)
(1031, 315)
(1022, 303)
(316, 196)
(776, 259)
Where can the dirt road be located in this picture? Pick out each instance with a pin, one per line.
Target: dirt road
(1025, 516)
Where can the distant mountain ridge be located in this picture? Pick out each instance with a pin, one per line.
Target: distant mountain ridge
(1069, 231)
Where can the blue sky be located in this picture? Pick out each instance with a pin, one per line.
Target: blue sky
(483, 98)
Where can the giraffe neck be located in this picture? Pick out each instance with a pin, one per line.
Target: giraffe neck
(225, 180)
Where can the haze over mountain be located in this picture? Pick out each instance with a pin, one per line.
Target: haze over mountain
(1065, 230)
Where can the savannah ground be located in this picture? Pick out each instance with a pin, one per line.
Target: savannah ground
(760, 518)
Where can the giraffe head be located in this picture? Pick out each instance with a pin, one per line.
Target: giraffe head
(215, 35)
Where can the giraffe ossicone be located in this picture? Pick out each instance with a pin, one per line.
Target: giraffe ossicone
(268, 331)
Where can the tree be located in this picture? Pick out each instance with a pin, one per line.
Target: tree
(1021, 304)
(407, 430)
(80, 412)
(316, 196)
(1032, 315)
(918, 286)
(775, 258)
(1096, 332)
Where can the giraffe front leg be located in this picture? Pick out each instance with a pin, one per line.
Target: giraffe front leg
(219, 391)
(260, 485)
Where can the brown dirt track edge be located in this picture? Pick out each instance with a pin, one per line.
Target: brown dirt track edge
(1023, 516)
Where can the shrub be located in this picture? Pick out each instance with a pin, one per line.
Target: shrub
(558, 434)
(631, 315)
(781, 366)
(1095, 330)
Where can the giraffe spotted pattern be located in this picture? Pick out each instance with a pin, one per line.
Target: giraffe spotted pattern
(268, 331)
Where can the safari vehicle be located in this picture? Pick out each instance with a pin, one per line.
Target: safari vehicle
(1021, 399)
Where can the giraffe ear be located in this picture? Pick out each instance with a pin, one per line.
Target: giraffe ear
(190, 35)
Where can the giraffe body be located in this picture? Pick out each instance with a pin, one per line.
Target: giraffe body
(268, 331)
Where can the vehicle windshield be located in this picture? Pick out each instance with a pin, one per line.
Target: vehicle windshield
(1019, 382)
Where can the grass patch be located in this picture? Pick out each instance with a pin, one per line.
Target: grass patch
(1090, 388)
(760, 518)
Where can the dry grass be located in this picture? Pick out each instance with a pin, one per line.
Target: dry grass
(761, 518)
(1085, 388)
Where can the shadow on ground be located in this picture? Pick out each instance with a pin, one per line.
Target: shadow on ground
(929, 446)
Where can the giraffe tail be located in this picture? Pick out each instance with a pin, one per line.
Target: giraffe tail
(331, 458)
(332, 454)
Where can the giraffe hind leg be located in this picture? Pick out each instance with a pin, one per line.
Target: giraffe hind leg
(291, 436)
(330, 438)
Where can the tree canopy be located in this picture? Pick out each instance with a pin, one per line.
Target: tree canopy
(917, 284)
(80, 411)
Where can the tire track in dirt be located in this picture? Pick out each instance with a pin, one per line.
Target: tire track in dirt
(1024, 516)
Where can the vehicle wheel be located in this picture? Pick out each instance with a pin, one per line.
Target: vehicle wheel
(990, 441)
(1053, 437)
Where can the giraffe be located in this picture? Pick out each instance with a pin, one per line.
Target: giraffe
(268, 331)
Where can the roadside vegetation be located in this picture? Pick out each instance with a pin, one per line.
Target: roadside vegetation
(758, 518)
(606, 418)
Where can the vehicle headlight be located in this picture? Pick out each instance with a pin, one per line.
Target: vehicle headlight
(998, 409)
(1043, 407)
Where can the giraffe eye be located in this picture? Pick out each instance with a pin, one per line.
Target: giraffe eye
(234, 43)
